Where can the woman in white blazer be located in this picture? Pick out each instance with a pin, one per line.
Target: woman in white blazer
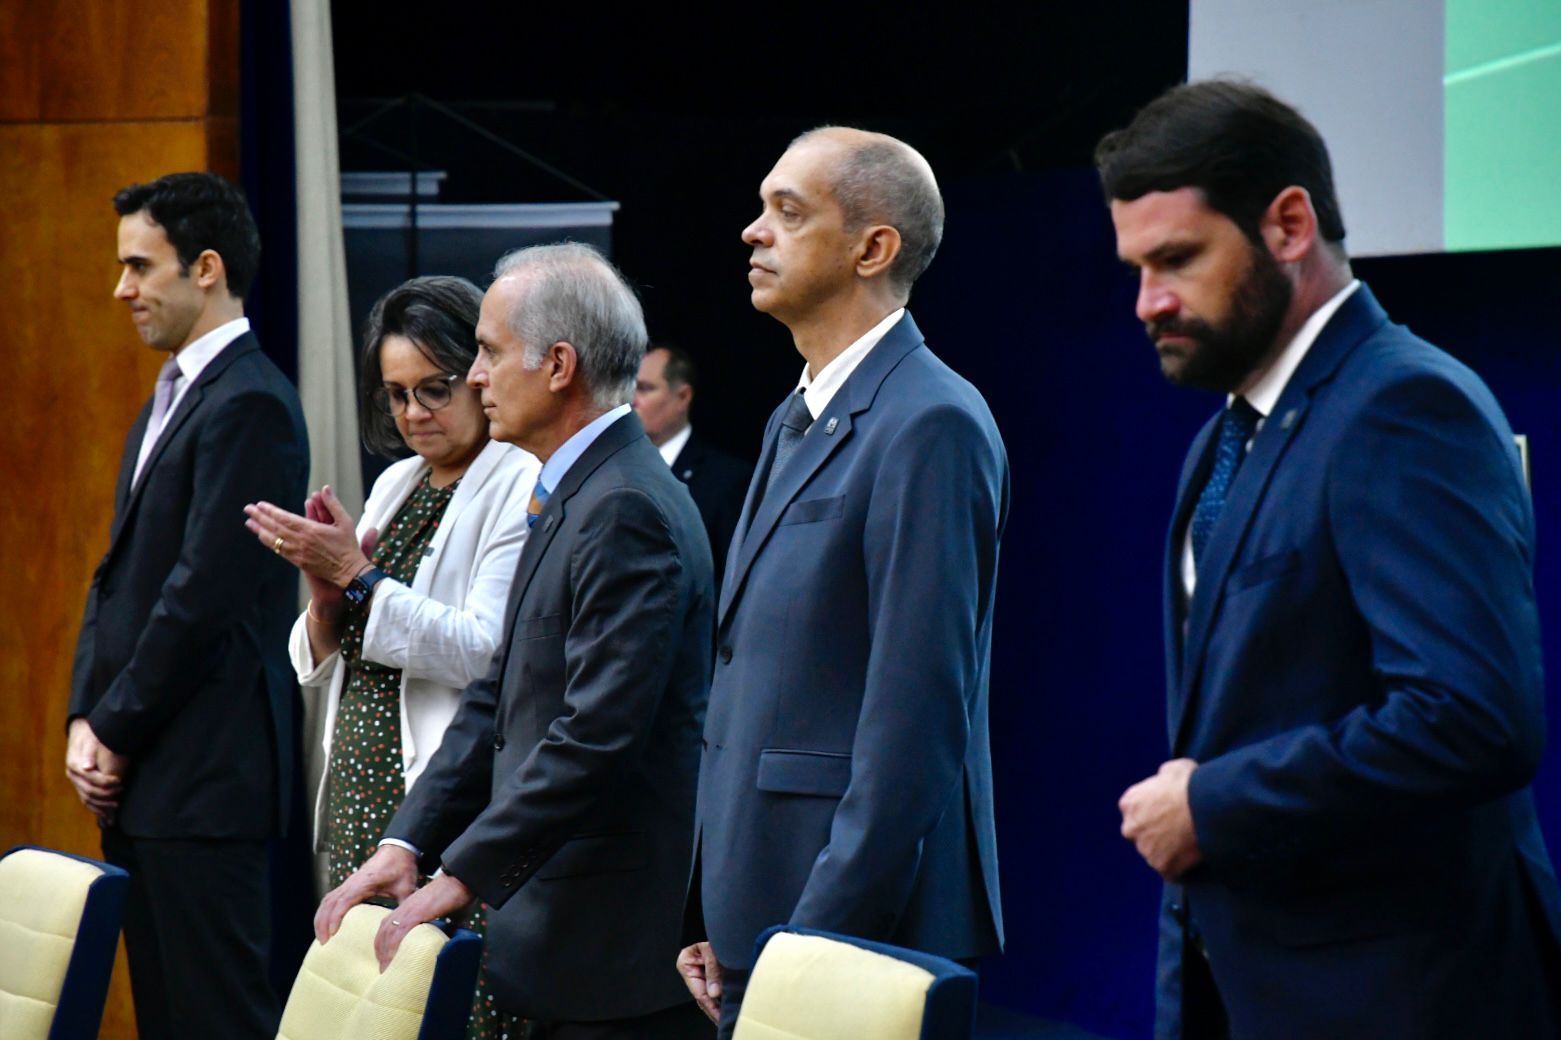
(390, 639)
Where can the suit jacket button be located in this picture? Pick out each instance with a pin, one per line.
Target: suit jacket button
(726, 653)
(498, 742)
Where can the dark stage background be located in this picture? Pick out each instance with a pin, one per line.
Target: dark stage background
(680, 119)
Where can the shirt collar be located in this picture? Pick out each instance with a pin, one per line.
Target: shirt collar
(194, 357)
(819, 390)
(1264, 394)
(570, 451)
(672, 447)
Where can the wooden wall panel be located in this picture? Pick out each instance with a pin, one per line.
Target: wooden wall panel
(71, 60)
(94, 95)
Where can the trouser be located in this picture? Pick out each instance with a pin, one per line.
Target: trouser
(197, 935)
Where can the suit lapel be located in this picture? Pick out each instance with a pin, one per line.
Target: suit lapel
(824, 438)
(750, 501)
(1357, 318)
(608, 443)
(127, 465)
(187, 406)
(1195, 473)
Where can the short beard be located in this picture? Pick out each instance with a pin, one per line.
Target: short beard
(1226, 354)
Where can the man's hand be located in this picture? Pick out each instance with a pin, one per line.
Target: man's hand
(441, 897)
(391, 872)
(702, 975)
(1157, 819)
(96, 772)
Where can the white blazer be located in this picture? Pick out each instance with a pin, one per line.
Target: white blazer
(443, 629)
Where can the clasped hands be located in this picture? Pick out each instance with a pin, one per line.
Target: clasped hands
(391, 873)
(97, 773)
(1157, 819)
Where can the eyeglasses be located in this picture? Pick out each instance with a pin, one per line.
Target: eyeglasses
(432, 394)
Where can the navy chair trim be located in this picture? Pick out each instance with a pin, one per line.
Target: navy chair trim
(85, 989)
(455, 980)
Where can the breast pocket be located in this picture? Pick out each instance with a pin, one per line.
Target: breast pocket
(1264, 570)
(539, 627)
(814, 510)
(822, 773)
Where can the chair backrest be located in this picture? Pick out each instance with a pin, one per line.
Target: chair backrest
(821, 986)
(425, 994)
(59, 928)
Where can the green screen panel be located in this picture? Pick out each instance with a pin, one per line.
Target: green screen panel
(1502, 84)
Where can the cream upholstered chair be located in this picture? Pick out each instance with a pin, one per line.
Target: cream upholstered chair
(59, 928)
(809, 985)
(425, 994)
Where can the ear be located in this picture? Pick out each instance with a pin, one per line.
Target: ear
(685, 393)
(1289, 225)
(876, 250)
(565, 363)
(208, 271)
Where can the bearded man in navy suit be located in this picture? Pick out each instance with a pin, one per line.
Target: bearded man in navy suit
(1352, 648)
(846, 783)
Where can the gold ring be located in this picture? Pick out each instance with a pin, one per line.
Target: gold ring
(276, 546)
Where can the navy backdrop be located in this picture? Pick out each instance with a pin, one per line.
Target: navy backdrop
(1028, 301)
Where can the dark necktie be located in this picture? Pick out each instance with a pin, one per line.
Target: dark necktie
(794, 424)
(1237, 425)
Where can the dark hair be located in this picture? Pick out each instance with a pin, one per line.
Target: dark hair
(439, 315)
(680, 370)
(883, 180)
(1234, 141)
(200, 211)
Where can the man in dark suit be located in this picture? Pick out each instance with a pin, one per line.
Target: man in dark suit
(562, 795)
(181, 697)
(847, 783)
(718, 482)
(1352, 648)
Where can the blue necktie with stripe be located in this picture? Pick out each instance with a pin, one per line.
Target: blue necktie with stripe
(538, 500)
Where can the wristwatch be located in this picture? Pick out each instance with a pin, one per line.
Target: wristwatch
(359, 589)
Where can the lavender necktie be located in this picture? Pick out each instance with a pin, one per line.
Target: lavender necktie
(162, 397)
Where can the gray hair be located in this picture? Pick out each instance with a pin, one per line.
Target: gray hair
(571, 293)
(883, 180)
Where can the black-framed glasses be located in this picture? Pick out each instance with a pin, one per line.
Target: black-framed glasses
(433, 394)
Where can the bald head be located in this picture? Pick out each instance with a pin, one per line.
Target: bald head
(878, 179)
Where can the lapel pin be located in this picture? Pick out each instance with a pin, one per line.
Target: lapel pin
(687, 473)
(1289, 420)
(829, 427)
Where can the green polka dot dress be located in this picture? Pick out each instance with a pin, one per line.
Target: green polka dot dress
(365, 783)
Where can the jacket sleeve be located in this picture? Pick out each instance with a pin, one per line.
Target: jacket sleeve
(931, 559)
(1433, 530)
(630, 596)
(441, 642)
(455, 786)
(247, 450)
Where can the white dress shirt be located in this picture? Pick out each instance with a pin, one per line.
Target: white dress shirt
(819, 390)
(569, 452)
(672, 447)
(192, 361)
(1265, 393)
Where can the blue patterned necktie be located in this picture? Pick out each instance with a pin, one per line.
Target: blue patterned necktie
(538, 500)
(1237, 425)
